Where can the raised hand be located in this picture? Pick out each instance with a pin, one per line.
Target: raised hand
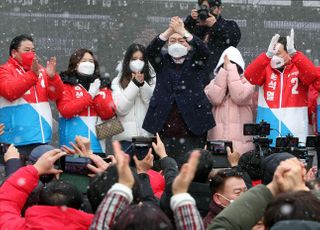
(45, 164)
(290, 43)
(159, 148)
(182, 182)
(273, 48)
(124, 171)
(51, 67)
(145, 164)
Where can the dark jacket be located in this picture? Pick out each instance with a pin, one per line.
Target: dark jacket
(221, 35)
(214, 210)
(181, 84)
(199, 191)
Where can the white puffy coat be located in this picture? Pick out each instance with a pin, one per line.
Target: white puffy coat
(132, 104)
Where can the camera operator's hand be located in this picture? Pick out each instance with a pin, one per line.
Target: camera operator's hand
(177, 25)
(194, 14)
(124, 171)
(84, 144)
(99, 165)
(311, 174)
(12, 153)
(45, 164)
(145, 164)
(209, 22)
(159, 148)
(273, 48)
(233, 157)
(2, 129)
(182, 182)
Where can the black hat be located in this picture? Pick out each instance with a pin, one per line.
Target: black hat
(213, 3)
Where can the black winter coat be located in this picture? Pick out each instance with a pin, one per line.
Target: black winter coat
(182, 84)
(221, 35)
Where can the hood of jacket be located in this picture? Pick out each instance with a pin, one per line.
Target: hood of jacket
(234, 55)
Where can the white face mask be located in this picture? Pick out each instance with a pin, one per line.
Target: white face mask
(136, 65)
(86, 68)
(177, 50)
(277, 62)
(230, 201)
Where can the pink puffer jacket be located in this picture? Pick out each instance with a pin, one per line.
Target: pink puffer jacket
(231, 97)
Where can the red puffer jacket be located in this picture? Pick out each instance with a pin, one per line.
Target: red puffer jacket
(13, 195)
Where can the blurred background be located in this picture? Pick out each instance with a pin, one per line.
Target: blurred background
(108, 27)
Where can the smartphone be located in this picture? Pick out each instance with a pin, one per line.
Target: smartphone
(75, 164)
(219, 147)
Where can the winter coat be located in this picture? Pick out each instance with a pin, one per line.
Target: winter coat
(214, 210)
(14, 193)
(231, 96)
(24, 104)
(236, 217)
(79, 113)
(199, 191)
(283, 97)
(221, 35)
(181, 84)
(132, 104)
(119, 197)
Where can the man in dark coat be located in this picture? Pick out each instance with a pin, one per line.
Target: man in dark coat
(179, 109)
(216, 31)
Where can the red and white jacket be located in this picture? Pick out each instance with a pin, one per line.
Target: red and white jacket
(24, 106)
(79, 114)
(283, 97)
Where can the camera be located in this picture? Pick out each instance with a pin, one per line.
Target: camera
(261, 129)
(141, 145)
(75, 164)
(218, 149)
(313, 141)
(286, 143)
(203, 12)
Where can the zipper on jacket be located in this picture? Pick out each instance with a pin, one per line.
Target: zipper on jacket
(280, 99)
(88, 126)
(40, 119)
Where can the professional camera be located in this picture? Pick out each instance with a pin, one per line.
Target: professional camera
(203, 12)
(260, 131)
(141, 145)
(218, 149)
(286, 144)
(313, 141)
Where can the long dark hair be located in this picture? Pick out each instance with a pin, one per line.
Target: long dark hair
(76, 57)
(126, 71)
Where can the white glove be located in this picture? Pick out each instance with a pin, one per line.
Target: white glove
(94, 88)
(290, 43)
(273, 49)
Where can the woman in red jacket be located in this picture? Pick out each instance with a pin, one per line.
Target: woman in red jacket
(86, 100)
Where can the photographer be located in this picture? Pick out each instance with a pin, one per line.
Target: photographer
(208, 24)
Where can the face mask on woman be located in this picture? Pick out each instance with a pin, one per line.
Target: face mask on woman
(136, 65)
(86, 68)
(177, 50)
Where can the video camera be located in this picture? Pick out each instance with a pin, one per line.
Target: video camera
(260, 131)
(218, 148)
(141, 145)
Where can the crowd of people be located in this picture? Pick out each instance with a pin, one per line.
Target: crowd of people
(188, 87)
